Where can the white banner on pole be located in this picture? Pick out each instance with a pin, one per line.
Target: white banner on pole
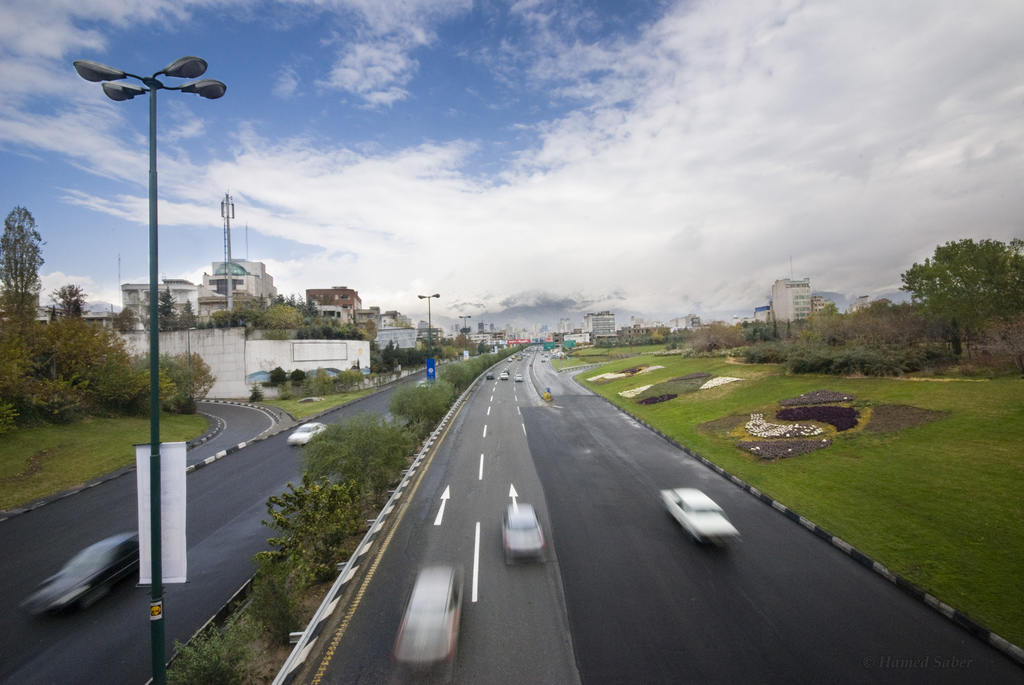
(172, 513)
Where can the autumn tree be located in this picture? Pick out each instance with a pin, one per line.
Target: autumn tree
(20, 259)
(70, 299)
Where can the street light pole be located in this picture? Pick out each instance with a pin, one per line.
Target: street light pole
(190, 68)
(188, 348)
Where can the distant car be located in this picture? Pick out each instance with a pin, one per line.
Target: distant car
(430, 627)
(504, 375)
(699, 515)
(304, 433)
(87, 577)
(521, 533)
(490, 375)
(519, 378)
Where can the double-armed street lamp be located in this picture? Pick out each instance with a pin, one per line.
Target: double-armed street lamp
(430, 326)
(211, 89)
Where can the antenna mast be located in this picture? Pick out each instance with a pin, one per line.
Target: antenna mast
(227, 210)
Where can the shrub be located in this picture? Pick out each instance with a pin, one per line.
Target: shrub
(256, 395)
(422, 406)
(365, 449)
(313, 521)
(273, 603)
(765, 353)
(298, 375)
(278, 376)
(843, 418)
(215, 656)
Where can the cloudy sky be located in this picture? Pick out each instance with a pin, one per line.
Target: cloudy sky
(653, 156)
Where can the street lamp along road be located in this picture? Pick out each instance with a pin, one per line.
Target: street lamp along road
(430, 327)
(211, 89)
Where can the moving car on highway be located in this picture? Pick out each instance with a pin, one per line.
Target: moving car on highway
(87, 577)
(304, 433)
(699, 515)
(430, 627)
(521, 533)
(504, 375)
(519, 378)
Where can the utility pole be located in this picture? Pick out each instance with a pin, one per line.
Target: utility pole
(227, 210)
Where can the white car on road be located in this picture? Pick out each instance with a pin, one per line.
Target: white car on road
(699, 515)
(304, 433)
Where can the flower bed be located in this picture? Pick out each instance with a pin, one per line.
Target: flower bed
(692, 376)
(843, 418)
(658, 398)
(649, 369)
(634, 392)
(760, 428)
(717, 381)
(780, 449)
(819, 397)
(625, 373)
(674, 387)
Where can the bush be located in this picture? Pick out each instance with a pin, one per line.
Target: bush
(365, 449)
(422, 406)
(765, 353)
(313, 521)
(257, 394)
(215, 656)
(278, 376)
(298, 375)
(273, 603)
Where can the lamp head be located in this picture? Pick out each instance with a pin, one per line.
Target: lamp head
(209, 88)
(96, 72)
(122, 91)
(186, 67)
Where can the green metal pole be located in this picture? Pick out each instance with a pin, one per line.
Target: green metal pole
(156, 602)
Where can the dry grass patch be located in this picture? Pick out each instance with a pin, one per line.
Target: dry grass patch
(889, 418)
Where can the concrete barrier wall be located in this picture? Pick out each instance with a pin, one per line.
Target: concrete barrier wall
(232, 358)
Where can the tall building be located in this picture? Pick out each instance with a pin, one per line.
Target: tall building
(791, 300)
(602, 323)
(339, 301)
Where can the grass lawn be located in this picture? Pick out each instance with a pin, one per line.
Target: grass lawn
(41, 461)
(940, 502)
(301, 410)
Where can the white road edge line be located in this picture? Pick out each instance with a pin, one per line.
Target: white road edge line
(476, 560)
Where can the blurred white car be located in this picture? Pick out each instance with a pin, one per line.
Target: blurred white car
(519, 378)
(521, 534)
(699, 515)
(304, 433)
(430, 627)
(504, 375)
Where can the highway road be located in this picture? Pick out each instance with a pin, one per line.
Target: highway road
(514, 627)
(109, 642)
(642, 602)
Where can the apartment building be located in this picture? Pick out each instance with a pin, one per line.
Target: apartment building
(791, 300)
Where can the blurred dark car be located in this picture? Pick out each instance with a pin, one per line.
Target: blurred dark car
(521, 533)
(490, 375)
(87, 577)
(430, 628)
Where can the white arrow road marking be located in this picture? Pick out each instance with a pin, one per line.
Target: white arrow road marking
(481, 468)
(514, 495)
(476, 559)
(444, 499)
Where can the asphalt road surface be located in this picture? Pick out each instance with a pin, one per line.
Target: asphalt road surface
(110, 642)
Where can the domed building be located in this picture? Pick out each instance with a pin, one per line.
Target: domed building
(247, 280)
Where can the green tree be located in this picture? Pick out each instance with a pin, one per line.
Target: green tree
(125, 320)
(187, 317)
(422, 406)
(168, 318)
(967, 284)
(20, 259)
(70, 299)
